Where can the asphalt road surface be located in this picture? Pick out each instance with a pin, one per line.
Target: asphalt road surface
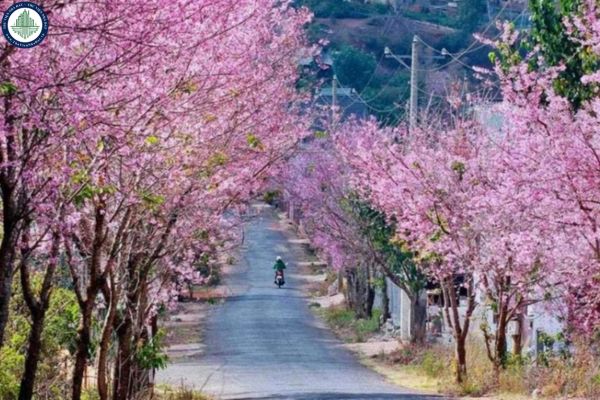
(264, 342)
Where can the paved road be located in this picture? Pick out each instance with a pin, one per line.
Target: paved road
(264, 343)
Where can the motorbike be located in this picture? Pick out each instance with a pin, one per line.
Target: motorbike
(279, 281)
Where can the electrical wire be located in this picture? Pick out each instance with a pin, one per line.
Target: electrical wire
(470, 48)
(454, 59)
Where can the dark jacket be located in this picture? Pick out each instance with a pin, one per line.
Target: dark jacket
(279, 265)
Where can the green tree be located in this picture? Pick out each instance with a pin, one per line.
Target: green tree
(470, 14)
(548, 32)
(58, 342)
(396, 261)
(353, 67)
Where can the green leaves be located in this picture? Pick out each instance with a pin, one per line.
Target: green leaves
(212, 164)
(201, 234)
(218, 159)
(86, 189)
(149, 355)
(354, 68)
(254, 142)
(549, 33)
(381, 232)
(469, 14)
(7, 89)
(152, 201)
(460, 168)
(152, 140)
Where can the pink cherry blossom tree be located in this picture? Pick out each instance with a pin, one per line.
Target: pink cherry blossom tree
(554, 161)
(454, 205)
(125, 146)
(316, 180)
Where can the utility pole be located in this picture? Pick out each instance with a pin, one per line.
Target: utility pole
(333, 99)
(414, 79)
(414, 82)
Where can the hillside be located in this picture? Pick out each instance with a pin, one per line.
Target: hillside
(357, 33)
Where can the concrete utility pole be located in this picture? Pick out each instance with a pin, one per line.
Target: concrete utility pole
(333, 99)
(414, 79)
(414, 84)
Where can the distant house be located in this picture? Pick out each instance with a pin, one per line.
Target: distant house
(391, 3)
(535, 324)
(347, 102)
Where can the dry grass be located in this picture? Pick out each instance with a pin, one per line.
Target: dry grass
(181, 393)
(578, 376)
(410, 376)
(431, 369)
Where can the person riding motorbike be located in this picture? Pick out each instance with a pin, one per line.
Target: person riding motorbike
(279, 267)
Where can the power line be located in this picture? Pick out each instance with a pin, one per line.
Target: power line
(470, 48)
(358, 98)
(389, 20)
(455, 59)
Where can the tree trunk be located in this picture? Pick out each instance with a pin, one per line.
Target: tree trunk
(7, 260)
(350, 292)
(418, 319)
(97, 281)
(385, 300)
(154, 327)
(11, 216)
(37, 309)
(83, 345)
(453, 319)
(102, 381)
(140, 378)
(34, 350)
(123, 363)
(518, 337)
(500, 348)
(360, 294)
(370, 291)
(370, 300)
(461, 359)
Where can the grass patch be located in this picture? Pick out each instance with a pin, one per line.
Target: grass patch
(410, 376)
(347, 327)
(367, 327)
(165, 392)
(338, 317)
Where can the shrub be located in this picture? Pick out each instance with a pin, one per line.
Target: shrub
(90, 394)
(339, 317)
(365, 327)
(344, 321)
(433, 365)
(150, 355)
